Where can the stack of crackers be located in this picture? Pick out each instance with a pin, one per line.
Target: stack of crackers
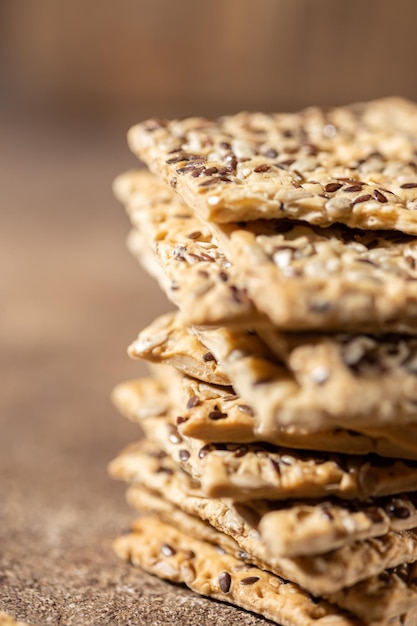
(278, 471)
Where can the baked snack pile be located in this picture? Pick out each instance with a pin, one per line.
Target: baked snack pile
(278, 467)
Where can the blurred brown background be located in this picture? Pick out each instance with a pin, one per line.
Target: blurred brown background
(73, 77)
(135, 58)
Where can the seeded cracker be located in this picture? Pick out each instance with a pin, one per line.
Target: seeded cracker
(287, 528)
(169, 344)
(216, 414)
(258, 463)
(391, 595)
(317, 278)
(145, 465)
(163, 550)
(354, 165)
(181, 253)
(312, 382)
(322, 391)
(262, 471)
(326, 278)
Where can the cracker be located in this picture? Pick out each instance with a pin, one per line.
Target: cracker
(330, 278)
(320, 382)
(354, 165)
(167, 342)
(286, 529)
(314, 382)
(146, 465)
(259, 470)
(316, 528)
(326, 278)
(163, 550)
(217, 414)
(181, 253)
(392, 594)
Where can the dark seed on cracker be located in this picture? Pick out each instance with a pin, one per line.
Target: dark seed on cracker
(225, 581)
(245, 408)
(204, 451)
(364, 198)
(184, 455)
(260, 169)
(217, 415)
(192, 402)
(249, 580)
(353, 188)
(379, 196)
(194, 235)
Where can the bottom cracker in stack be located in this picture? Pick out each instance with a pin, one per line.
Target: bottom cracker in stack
(250, 536)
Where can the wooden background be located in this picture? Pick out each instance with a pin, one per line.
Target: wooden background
(73, 76)
(142, 57)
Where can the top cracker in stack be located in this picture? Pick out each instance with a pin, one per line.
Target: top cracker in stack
(354, 166)
(289, 248)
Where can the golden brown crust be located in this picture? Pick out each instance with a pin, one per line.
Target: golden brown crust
(354, 164)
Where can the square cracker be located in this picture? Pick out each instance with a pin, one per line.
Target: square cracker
(214, 413)
(250, 471)
(271, 272)
(165, 551)
(305, 277)
(323, 574)
(319, 382)
(286, 529)
(310, 382)
(354, 165)
(389, 596)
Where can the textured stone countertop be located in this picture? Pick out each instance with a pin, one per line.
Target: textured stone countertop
(72, 299)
